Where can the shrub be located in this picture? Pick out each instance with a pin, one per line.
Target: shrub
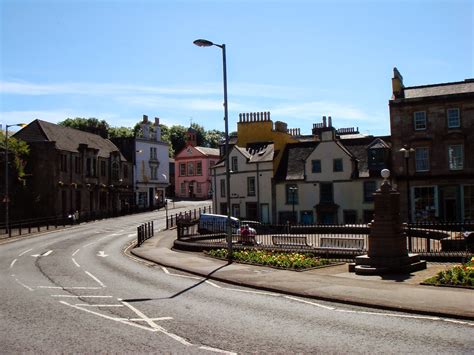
(278, 259)
(462, 275)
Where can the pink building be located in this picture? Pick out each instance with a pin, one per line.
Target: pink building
(193, 169)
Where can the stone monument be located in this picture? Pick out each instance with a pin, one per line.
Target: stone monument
(387, 248)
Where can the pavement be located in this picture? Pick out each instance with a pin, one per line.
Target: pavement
(335, 284)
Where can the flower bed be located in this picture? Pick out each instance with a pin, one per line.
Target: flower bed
(295, 261)
(458, 276)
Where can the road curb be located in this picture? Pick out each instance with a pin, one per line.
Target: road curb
(335, 299)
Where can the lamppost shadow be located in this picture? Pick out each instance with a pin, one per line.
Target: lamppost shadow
(177, 294)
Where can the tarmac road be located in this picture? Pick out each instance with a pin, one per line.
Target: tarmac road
(76, 291)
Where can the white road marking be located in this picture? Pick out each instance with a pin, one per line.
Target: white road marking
(108, 236)
(22, 284)
(87, 245)
(184, 276)
(132, 235)
(71, 287)
(77, 251)
(311, 303)
(108, 317)
(98, 305)
(12, 263)
(75, 262)
(153, 319)
(102, 254)
(153, 325)
(208, 348)
(213, 284)
(85, 296)
(47, 253)
(95, 279)
(24, 252)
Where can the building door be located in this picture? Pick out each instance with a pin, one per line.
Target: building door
(151, 196)
(252, 211)
(449, 202)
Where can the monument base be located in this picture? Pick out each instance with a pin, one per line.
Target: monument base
(366, 265)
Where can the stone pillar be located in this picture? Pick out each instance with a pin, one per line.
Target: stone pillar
(387, 249)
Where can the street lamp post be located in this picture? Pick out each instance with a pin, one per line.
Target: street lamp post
(406, 155)
(7, 198)
(293, 190)
(206, 43)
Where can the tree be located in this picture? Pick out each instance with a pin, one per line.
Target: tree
(19, 150)
(214, 137)
(120, 132)
(91, 125)
(177, 137)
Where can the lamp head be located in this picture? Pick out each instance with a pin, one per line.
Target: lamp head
(385, 173)
(203, 43)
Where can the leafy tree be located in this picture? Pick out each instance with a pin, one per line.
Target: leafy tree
(120, 132)
(91, 125)
(177, 137)
(213, 137)
(19, 150)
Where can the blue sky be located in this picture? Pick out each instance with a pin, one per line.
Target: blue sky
(117, 60)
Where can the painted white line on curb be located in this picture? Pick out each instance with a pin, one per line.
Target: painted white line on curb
(24, 252)
(95, 279)
(13, 263)
(75, 262)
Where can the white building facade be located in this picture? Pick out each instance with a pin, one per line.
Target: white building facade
(151, 165)
(250, 183)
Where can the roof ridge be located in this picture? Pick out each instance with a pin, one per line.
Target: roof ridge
(466, 81)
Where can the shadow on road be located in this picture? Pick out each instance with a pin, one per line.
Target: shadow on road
(207, 277)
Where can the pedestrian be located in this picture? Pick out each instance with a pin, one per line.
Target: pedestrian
(76, 217)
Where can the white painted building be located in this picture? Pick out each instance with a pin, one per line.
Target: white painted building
(250, 183)
(151, 165)
(328, 180)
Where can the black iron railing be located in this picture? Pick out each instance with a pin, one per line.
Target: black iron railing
(144, 232)
(441, 240)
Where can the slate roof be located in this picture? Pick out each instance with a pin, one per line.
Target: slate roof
(66, 138)
(358, 148)
(208, 151)
(292, 162)
(255, 154)
(461, 87)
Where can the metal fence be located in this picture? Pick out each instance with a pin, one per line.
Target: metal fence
(172, 220)
(33, 225)
(443, 241)
(144, 232)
